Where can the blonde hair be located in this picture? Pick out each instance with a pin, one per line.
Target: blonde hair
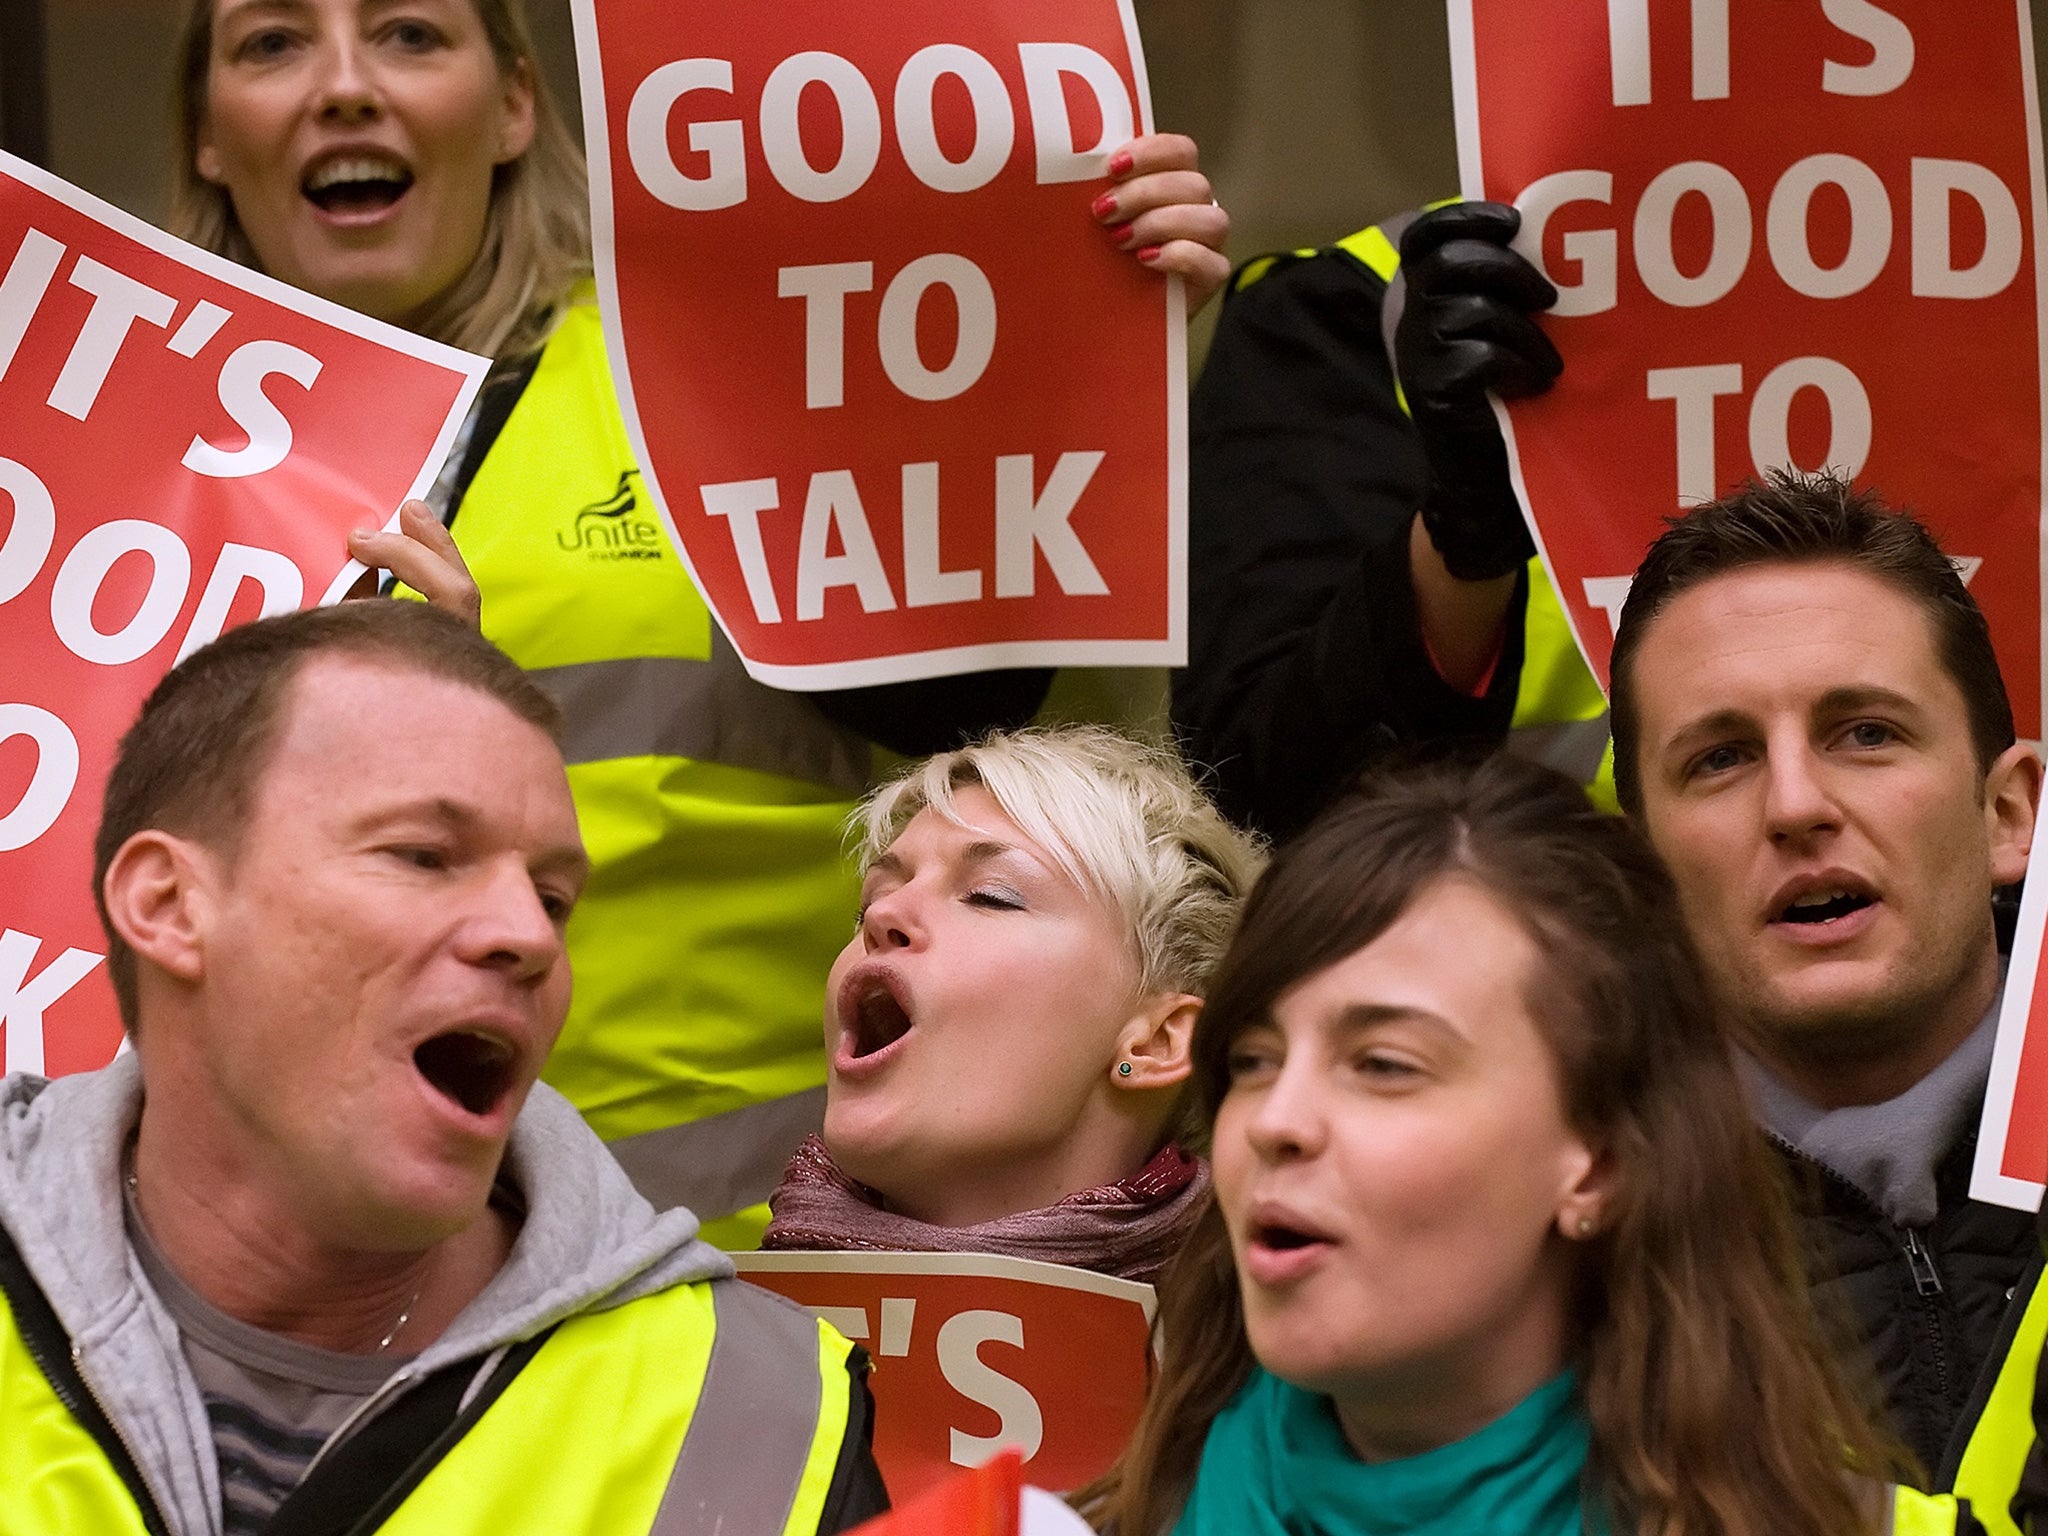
(536, 242)
(1121, 819)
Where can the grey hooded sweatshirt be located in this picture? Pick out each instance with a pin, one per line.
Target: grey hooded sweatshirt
(589, 1243)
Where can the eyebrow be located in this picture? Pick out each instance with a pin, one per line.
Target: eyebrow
(980, 851)
(567, 857)
(1836, 701)
(1355, 1018)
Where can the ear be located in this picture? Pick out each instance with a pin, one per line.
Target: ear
(1583, 1209)
(206, 158)
(160, 899)
(2012, 799)
(516, 114)
(1154, 1044)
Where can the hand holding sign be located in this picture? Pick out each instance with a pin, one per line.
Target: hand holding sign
(183, 444)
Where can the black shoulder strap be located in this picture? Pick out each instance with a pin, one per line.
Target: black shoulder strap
(50, 1347)
(361, 1484)
(502, 388)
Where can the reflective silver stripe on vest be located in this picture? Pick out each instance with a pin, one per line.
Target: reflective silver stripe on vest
(672, 706)
(723, 1163)
(743, 1459)
(1397, 288)
(1572, 747)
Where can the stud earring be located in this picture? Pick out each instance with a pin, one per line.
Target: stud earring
(1585, 1226)
(1123, 1069)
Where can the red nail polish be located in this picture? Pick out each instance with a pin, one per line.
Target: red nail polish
(1103, 206)
(1121, 234)
(1120, 163)
(1149, 254)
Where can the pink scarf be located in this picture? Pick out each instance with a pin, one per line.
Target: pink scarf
(1130, 1229)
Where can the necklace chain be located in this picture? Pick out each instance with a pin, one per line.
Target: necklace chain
(405, 1313)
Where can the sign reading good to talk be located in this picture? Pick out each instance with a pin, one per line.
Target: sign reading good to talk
(903, 406)
(184, 445)
(1799, 233)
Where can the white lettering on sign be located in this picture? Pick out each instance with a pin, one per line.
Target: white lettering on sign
(833, 505)
(1609, 593)
(241, 393)
(1030, 523)
(23, 1000)
(860, 127)
(1770, 415)
(1593, 287)
(1891, 50)
(995, 124)
(1596, 251)
(721, 179)
(49, 787)
(974, 300)
(28, 278)
(1020, 1422)
(741, 503)
(31, 528)
(925, 585)
(118, 301)
(1935, 275)
(85, 571)
(276, 577)
(1628, 33)
(824, 288)
(1694, 390)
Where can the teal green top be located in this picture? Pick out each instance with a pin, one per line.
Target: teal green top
(1276, 1464)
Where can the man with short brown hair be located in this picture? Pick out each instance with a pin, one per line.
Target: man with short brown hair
(319, 1254)
(1811, 728)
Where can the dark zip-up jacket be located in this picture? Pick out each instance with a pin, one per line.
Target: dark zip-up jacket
(1931, 1308)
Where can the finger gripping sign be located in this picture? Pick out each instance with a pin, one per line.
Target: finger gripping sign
(903, 406)
(184, 444)
(975, 1354)
(1797, 234)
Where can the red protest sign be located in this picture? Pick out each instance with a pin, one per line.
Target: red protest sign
(903, 407)
(1800, 233)
(975, 1353)
(2012, 1139)
(983, 1502)
(183, 444)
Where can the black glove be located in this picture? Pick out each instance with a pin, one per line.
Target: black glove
(1464, 330)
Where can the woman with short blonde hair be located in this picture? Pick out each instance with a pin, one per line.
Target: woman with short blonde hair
(1008, 1029)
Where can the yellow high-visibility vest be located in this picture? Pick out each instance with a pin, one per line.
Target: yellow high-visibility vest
(710, 1407)
(713, 807)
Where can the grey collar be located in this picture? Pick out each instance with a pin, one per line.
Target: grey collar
(1890, 1151)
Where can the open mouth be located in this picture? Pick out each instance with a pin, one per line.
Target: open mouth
(878, 1021)
(473, 1070)
(1284, 1239)
(356, 184)
(1824, 906)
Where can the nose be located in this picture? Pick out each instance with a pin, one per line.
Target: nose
(894, 920)
(508, 928)
(1288, 1122)
(348, 94)
(1797, 801)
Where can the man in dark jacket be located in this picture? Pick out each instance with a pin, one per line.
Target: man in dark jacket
(1810, 725)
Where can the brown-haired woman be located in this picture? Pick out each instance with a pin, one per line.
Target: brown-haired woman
(1496, 1247)
(401, 157)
